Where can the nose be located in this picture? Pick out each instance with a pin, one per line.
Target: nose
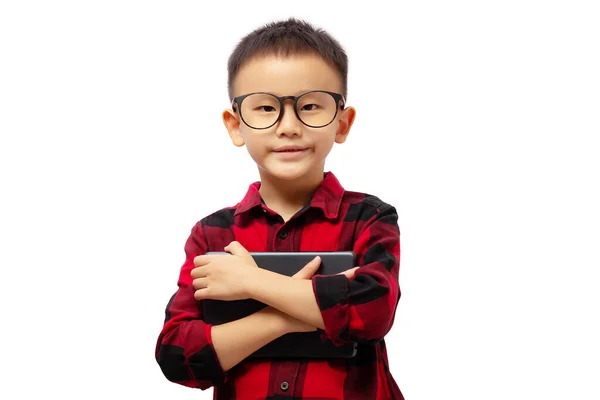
(288, 123)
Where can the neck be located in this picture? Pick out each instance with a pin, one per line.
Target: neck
(287, 197)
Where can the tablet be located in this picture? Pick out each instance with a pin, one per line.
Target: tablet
(312, 345)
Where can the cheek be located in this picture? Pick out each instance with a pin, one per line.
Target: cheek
(324, 143)
(256, 147)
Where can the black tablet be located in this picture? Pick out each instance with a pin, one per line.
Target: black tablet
(293, 345)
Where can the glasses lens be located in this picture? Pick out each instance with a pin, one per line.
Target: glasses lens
(260, 110)
(316, 108)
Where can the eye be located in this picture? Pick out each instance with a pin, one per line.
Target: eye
(266, 108)
(309, 107)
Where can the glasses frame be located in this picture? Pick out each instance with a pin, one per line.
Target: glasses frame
(236, 104)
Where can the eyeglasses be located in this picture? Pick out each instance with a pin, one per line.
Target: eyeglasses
(315, 109)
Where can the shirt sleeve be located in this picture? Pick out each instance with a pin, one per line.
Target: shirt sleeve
(184, 350)
(363, 309)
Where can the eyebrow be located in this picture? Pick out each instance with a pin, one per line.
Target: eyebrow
(290, 94)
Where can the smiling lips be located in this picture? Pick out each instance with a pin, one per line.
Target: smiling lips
(289, 152)
(289, 149)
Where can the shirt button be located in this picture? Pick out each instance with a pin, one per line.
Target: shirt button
(283, 234)
(284, 386)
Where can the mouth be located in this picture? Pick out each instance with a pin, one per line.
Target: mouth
(290, 153)
(290, 149)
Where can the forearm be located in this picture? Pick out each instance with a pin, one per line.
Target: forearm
(258, 330)
(294, 297)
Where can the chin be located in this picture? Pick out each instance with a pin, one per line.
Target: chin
(290, 173)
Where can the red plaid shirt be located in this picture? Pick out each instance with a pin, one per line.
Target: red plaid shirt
(360, 310)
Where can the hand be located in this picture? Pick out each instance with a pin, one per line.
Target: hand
(224, 277)
(309, 270)
(292, 324)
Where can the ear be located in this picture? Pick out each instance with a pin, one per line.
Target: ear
(345, 121)
(232, 123)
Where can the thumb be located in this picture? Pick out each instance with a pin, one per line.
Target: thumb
(236, 249)
(309, 269)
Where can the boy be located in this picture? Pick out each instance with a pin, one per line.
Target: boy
(287, 85)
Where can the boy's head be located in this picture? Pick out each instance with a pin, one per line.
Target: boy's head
(287, 83)
(288, 38)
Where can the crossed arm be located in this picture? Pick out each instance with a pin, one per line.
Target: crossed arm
(358, 305)
(270, 323)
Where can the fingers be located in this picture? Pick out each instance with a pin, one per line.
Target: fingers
(236, 249)
(204, 259)
(309, 269)
(349, 273)
(200, 283)
(201, 294)
(199, 272)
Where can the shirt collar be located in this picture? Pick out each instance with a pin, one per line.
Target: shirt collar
(327, 197)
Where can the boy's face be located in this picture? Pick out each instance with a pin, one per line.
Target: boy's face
(288, 76)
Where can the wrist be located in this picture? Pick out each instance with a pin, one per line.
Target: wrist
(254, 282)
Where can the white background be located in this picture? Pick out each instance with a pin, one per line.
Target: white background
(478, 120)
